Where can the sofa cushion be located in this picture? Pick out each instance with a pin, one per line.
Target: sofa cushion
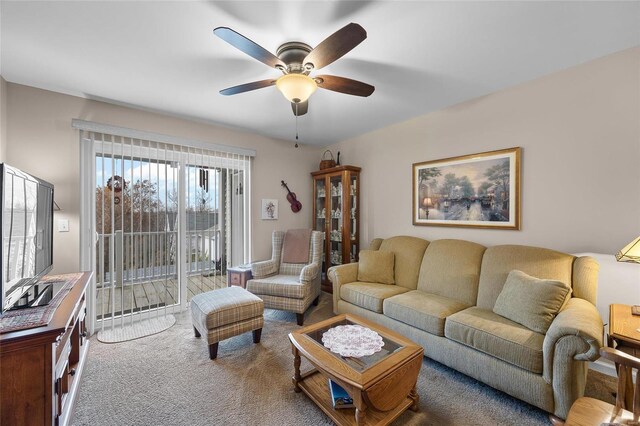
(530, 301)
(375, 266)
(498, 261)
(408, 256)
(494, 335)
(369, 295)
(451, 268)
(280, 285)
(422, 310)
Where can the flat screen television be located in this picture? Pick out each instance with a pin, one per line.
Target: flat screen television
(26, 217)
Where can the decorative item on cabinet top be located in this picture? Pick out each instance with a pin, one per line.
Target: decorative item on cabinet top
(327, 163)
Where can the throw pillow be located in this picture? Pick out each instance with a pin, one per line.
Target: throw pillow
(375, 266)
(531, 301)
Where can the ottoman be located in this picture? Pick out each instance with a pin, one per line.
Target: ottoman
(227, 312)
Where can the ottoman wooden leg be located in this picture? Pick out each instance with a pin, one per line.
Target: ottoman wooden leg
(316, 300)
(256, 335)
(196, 332)
(300, 319)
(213, 350)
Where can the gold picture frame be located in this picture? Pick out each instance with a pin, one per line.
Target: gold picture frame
(476, 191)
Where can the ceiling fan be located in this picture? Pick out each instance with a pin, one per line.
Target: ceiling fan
(296, 60)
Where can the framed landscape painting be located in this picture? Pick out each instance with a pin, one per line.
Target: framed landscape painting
(477, 190)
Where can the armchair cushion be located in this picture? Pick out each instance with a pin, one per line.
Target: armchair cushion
(279, 285)
(530, 301)
(376, 266)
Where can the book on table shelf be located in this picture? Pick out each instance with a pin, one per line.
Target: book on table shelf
(339, 397)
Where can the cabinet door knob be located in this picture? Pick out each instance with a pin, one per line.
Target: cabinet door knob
(72, 372)
(83, 334)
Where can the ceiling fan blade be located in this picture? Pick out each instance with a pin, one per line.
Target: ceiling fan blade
(249, 47)
(247, 87)
(303, 107)
(336, 45)
(344, 85)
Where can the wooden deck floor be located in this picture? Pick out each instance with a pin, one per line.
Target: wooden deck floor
(151, 294)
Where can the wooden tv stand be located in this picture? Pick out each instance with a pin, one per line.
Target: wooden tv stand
(40, 368)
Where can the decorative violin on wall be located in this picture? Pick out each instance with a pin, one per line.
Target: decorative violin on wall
(296, 205)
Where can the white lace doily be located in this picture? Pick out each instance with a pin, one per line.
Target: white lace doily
(352, 340)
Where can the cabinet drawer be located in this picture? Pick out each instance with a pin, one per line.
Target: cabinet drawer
(62, 345)
(63, 360)
(235, 278)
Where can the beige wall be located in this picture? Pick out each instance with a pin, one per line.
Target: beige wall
(3, 118)
(40, 140)
(580, 134)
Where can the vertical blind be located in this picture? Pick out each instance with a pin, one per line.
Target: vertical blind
(169, 220)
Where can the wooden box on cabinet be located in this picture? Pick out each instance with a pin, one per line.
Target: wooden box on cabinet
(40, 368)
(336, 212)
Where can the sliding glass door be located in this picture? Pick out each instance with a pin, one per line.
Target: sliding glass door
(136, 210)
(168, 221)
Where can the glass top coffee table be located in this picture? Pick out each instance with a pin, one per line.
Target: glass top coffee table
(382, 384)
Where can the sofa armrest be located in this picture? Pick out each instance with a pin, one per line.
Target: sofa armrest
(340, 275)
(575, 337)
(309, 273)
(264, 269)
(579, 319)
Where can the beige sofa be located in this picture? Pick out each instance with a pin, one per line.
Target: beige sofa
(443, 298)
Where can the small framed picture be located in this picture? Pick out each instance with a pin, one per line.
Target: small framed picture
(269, 209)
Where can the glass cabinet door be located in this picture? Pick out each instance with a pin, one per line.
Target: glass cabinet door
(321, 205)
(336, 194)
(321, 214)
(354, 239)
(335, 226)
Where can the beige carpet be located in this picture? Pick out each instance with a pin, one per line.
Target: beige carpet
(168, 379)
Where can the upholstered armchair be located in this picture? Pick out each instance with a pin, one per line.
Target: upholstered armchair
(289, 286)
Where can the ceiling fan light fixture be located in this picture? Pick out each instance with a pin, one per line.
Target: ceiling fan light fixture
(296, 87)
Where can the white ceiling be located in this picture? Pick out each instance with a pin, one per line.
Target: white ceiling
(420, 56)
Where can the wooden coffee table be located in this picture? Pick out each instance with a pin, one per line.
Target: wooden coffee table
(382, 385)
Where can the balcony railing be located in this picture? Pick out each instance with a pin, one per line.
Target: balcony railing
(125, 257)
(138, 271)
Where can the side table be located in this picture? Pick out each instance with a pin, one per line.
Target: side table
(238, 276)
(624, 335)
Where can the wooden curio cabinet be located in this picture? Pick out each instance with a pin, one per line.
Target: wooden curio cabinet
(336, 212)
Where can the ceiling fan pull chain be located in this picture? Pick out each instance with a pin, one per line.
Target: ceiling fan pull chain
(296, 124)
